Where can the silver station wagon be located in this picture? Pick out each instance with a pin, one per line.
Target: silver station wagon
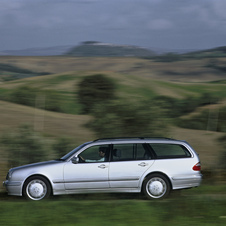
(154, 166)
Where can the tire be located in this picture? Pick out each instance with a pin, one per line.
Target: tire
(36, 188)
(156, 186)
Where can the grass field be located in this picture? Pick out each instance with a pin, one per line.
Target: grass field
(194, 206)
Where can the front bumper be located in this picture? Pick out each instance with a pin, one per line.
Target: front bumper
(13, 187)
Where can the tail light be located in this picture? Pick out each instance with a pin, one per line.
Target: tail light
(197, 167)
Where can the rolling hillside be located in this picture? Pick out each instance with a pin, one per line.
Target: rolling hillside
(137, 79)
(190, 70)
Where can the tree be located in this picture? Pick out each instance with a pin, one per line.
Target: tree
(95, 89)
(119, 119)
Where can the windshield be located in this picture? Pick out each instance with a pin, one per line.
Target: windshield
(68, 155)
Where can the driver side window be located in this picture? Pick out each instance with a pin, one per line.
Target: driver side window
(98, 153)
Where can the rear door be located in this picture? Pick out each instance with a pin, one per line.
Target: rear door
(128, 163)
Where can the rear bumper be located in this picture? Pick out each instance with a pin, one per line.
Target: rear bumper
(186, 181)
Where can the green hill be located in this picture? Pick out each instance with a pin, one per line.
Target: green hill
(90, 49)
(11, 72)
(208, 53)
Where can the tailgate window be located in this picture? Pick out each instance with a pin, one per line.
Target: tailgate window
(164, 151)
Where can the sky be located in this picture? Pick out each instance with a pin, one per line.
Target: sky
(157, 24)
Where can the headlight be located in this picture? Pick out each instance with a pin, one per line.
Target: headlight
(9, 174)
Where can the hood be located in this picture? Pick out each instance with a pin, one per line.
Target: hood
(51, 162)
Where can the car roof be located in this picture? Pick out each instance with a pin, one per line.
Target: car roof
(140, 139)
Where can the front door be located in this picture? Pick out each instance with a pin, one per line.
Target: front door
(91, 172)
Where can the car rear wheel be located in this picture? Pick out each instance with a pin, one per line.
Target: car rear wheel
(36, 188)
(156, 186)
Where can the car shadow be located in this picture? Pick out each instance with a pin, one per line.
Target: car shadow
(88, 197)
(97, 196)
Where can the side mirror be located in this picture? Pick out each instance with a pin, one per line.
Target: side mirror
(75, 160)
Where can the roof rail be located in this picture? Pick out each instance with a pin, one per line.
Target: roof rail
(120, 138)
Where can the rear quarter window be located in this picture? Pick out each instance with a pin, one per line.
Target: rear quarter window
(164, 151)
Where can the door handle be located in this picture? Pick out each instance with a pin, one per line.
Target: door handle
(102, 166)
(143, 164)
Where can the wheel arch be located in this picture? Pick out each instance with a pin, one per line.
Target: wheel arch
(159, 173)
(37, 175)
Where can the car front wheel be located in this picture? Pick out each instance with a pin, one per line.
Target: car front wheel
(36, 188)
(156, 186)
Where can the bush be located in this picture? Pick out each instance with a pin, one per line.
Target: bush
(214, 120)
(44, 99)
(24, 146)
(95, 89)
(53, 101)
(62, 146)
(169, 104)
(178, 107)
(24, 95)
(222, 157)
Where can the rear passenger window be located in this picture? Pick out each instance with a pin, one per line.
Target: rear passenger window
(163, 151)
(130, 152)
